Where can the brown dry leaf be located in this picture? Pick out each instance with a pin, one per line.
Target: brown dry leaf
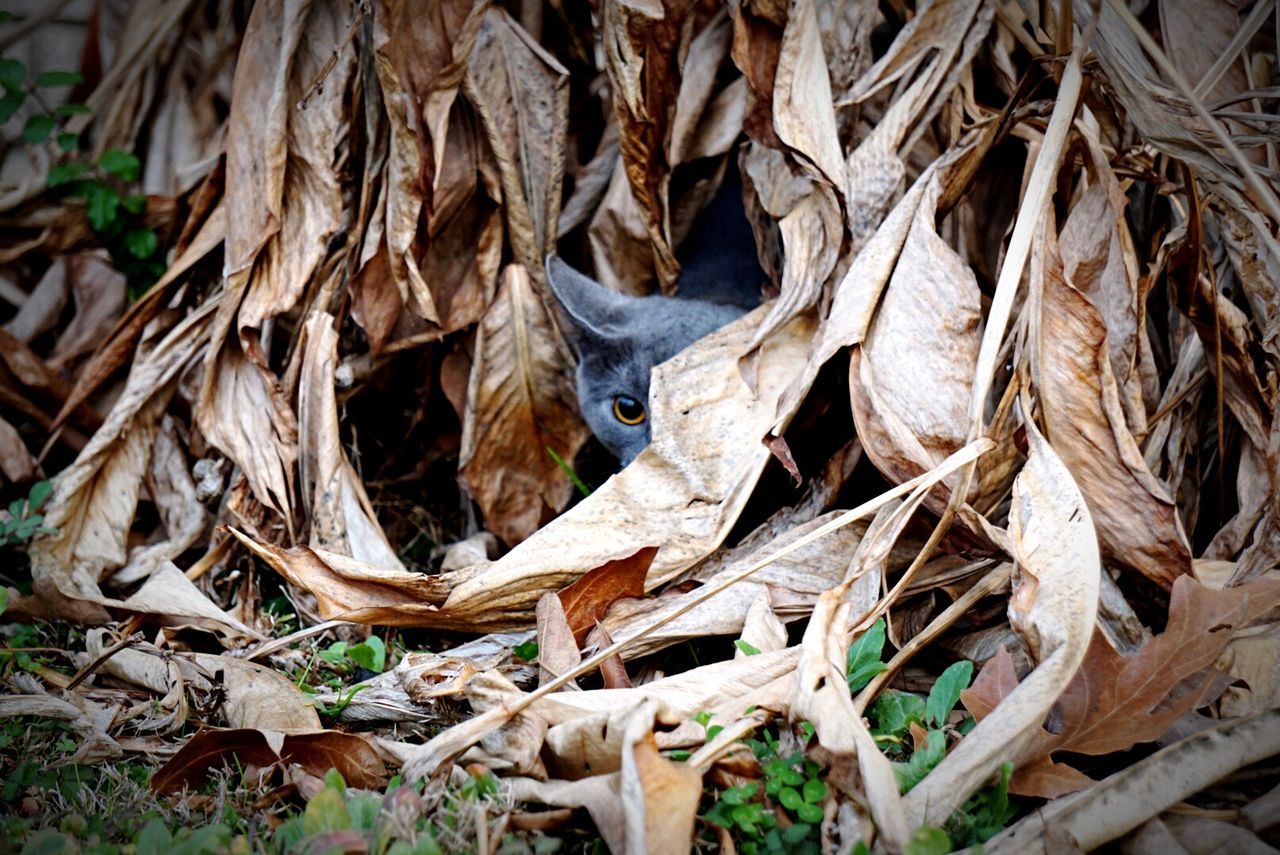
(316, 752)
(94, 499)
(520, 403)
(341, 516)
(557, 649)
(99, 292)
(522, 95)
(421, 61)
(16, 462)
(41, 308)
(1138, 524)
(173, 492)
(589, 598)
(1116, 701)
(260, 698)
(704, 459)
(1128, 798)
(648, 805)
(642, 58)
(1053, 606)
(308, 213)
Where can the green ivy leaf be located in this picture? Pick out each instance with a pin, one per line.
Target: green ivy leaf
(526, 650)
(13, 74)
(120, 163)
(72, 109)
(103, 205)
(135, 204)
(790, 798)
(864, 656)
(68, 141)
(811, 814)
(10, 103)
(38, 493)
(370, 654)
(65, 173)
(50, 79)
(141, 243)
(37, 128)
(814, 791)
(946, 692)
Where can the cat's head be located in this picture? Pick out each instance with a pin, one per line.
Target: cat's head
(619, 340)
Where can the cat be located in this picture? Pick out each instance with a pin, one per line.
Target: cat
(620, 338)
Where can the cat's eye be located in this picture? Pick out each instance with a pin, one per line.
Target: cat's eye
(628, 410)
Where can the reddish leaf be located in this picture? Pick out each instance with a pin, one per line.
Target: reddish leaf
(1114, 701)
(588, 599)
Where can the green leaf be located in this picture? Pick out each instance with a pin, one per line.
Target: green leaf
(928, 841)
(363, 809)
(747, 648)
(811, 814)
(68, 142)
(135, 203)
(73, 109)
(103, 203)
(946, 691)
(370, 654)
(37, 128)
(141, 243)
(13, 99)
(38, 493)
(65, 173)
(13, 74)
(894, 711)
(814, 791)
(119, 163)
(864, 656)
(739, 795)
(51, 79)
(153, 839)
(327, 811)
(46, 841)
(922, 761)
(790, 798)
(5, 16)
(526, 650)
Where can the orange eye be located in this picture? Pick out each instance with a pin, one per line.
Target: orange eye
(628, 410)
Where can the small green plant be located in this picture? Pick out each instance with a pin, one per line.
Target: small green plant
(569, 472)
(780, 813)
(370, 654)
(115, 214)
(526, 650)
(864, 657)
(23, 522)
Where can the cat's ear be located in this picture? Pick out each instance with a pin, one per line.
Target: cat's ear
(593, 308)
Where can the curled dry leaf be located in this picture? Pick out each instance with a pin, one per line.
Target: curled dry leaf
(1054, 605)
(588, 599)
(316, 752)
(1138, 524)
(521, 407)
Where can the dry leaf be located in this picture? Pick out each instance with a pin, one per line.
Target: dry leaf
(588, 599)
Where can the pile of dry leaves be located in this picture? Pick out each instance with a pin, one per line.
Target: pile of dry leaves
(1015, 392)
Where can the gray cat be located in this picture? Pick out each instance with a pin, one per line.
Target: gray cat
(621, 338)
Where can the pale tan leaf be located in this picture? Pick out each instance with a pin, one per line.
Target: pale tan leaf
(522, 95)
(99, 292)
(16, 462)
(1054, 605)
(342, 518)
